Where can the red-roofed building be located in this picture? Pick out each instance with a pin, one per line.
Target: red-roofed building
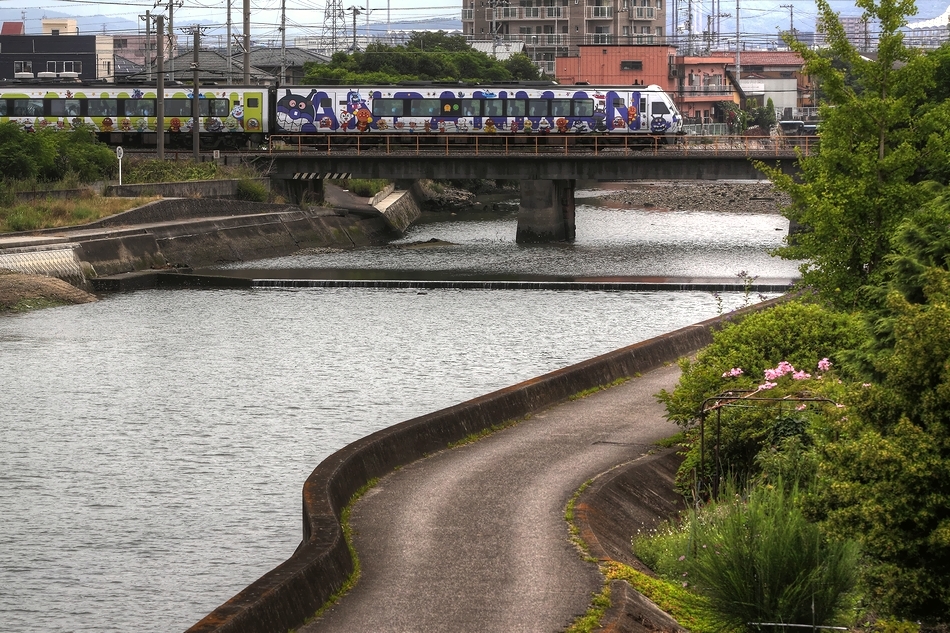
(775, 75)
(13, 28)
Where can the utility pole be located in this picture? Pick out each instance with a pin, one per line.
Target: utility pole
(356, 11)
(283, 43)
(791, 18)
(171, 34)
(148, 36)
(247, 42)
(230, 64)
(195, 95)
(160, 92)
(738, 65)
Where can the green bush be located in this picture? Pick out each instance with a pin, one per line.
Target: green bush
(23, 218)
(252, 191)
(757, 559)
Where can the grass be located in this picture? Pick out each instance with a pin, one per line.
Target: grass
(352, 579)
(60, 212)
(593, 390)
(25, 305)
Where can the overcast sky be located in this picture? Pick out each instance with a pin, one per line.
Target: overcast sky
(306, 17)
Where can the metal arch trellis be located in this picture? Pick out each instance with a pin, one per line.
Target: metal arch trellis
(730, 398)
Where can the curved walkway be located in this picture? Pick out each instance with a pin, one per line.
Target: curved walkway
(474, 538)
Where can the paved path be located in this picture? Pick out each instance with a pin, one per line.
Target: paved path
(474, 538)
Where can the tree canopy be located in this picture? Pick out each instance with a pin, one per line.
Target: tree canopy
(883, 134)
(426, 57)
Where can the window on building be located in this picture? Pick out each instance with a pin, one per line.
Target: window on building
(22, 67)
(631, 65)
(120, 43)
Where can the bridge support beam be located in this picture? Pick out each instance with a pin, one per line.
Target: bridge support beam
(546, 213)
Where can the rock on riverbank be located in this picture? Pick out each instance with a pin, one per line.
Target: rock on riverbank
(19, 292)
(740, 197)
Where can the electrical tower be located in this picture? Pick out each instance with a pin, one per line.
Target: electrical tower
(334, 26)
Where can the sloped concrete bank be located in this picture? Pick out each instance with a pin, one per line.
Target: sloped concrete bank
(183, 233)
(285, 597)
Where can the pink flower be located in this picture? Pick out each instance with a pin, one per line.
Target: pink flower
(767, 385)
(824, 364)
(801, 407)
(735, 371)
(801, 375)
(683, 557)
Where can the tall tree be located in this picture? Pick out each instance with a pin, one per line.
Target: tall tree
(881, 134)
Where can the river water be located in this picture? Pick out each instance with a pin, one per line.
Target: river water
(153, 445)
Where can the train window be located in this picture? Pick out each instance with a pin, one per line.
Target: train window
(326, 102)
(658, 107)
(389, 107)
(538, 107)
(583, 107)
(471, 107)
(516, 107)
(618, 102)
(27, 107)
(493, 107)
(64, 107)
(139, 107)
(252, 102)
(560, 107)
(178, 107)
(215, 107)
(102, 107)
(424, 107)
(3, 107)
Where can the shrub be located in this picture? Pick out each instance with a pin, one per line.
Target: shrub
(252, 191)
(757, 559)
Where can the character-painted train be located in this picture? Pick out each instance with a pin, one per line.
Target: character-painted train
(238, 117)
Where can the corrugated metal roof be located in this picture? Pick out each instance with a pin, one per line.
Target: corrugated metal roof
(271, 57)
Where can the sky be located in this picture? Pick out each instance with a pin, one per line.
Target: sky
(762, 18)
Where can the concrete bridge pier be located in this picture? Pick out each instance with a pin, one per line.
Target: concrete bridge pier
(546, 213)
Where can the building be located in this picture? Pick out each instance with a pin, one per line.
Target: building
(776, 75)
(61, 53)
(286, 65)
(557, 28)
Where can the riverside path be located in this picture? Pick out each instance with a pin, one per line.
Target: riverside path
(473, 539)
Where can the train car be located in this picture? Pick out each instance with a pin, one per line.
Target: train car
(436, 108)
(229, 117)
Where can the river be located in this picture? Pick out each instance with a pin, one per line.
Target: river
(154, 444)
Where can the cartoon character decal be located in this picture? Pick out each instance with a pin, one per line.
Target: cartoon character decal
(107, 124)
(174, 125)
(562, 125)
(659, 125)
(296, 113)
(363, 118)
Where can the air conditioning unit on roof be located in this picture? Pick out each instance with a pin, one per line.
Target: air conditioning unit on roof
(69, 75)
(23, 75)
(46, 75)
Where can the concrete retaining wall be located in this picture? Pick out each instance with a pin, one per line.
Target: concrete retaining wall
(400, 209)
(285, 597)
(62, 262)
(188, 189)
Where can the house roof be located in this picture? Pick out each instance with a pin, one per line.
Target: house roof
(213, 65)
(770, 58)
(271, 57)
(13, 28)
(125, 67)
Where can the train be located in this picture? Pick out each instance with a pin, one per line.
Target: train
(236, 117)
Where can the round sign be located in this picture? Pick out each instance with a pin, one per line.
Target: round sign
(119, 153)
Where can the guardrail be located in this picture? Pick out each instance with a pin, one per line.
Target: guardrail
(490, 145)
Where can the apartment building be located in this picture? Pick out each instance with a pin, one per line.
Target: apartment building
(557, 28)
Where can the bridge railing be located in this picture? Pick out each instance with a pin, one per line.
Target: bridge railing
(492, 145)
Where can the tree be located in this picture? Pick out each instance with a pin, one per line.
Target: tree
(426, 56)
(881, 135)
(886, 480)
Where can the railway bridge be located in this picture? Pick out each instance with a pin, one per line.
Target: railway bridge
(547, 166)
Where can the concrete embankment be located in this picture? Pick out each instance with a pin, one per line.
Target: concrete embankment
(284, 598)
(187, 233)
